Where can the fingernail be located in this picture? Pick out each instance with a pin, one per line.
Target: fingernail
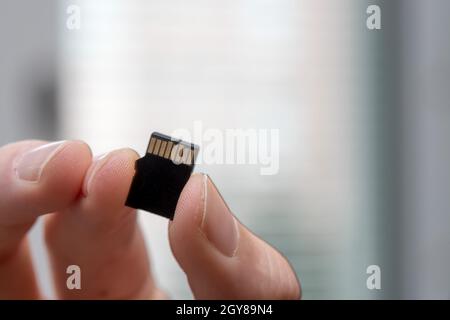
(218, 223)
(97, 163)
(31, 164)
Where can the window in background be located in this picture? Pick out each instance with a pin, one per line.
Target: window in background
(145, 66)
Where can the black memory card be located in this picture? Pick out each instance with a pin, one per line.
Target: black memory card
(161, 175)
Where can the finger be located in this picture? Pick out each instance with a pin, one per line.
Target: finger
(17, 280)
(101, 236)
(35, 178)
(221, 258)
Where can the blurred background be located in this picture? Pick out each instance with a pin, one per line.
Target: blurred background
(363, 117)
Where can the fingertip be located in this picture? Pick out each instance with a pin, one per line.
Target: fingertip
(66, 170)
(38, 177)
(190, 207)
(59, 182)
(109, 177)
(191, 201)
(184, 230)
(217, 251)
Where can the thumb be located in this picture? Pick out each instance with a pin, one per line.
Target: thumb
(222, 258)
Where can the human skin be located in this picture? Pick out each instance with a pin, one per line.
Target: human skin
(87, 224)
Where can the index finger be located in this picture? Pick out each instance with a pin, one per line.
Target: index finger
(35, 178)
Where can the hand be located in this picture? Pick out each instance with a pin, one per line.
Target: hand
(89, 226)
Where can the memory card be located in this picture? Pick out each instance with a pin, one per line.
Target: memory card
(161, 175)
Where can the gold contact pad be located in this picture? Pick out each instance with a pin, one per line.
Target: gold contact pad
(178, 152)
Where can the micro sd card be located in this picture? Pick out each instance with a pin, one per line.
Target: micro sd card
(161, 175)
